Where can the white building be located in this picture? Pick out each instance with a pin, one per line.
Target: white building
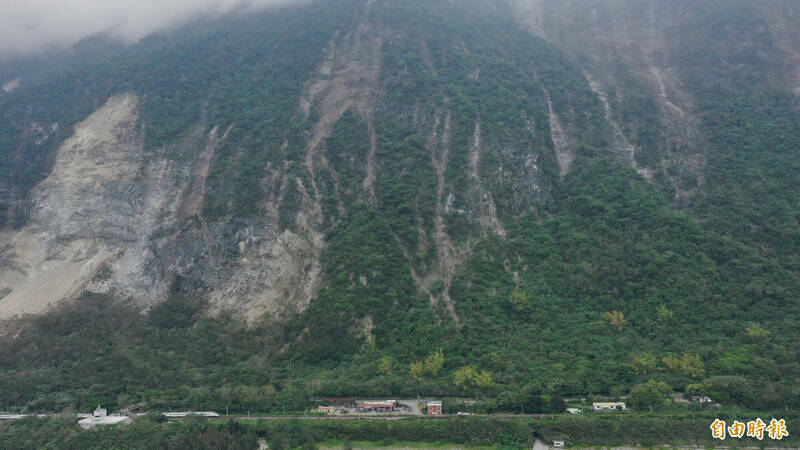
(608, 406)
(101, 417)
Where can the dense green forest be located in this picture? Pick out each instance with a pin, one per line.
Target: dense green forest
(596, 284)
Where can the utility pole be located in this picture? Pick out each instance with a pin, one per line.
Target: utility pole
(226, 410)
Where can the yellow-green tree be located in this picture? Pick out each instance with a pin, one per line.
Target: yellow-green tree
(664, 314)
(756, 332)
(644, 363)
(689, 365)
(518, 298)
(672, 363)
(418, 370)
(484, 379)
(692, 366)
(700, 389)
(434, 363)
(468, 378)
(463, 377)
(386, 365)
(616, 319)
(429, 368)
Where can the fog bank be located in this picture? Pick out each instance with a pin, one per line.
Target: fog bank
(29, 26)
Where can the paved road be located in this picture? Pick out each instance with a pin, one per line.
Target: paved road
(343, 417)
(412, 405)
(383, 417)
(412, 411)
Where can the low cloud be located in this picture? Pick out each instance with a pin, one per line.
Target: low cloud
(28, 26)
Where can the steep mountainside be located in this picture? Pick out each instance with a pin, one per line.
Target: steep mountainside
(677, 81)
(574, 197)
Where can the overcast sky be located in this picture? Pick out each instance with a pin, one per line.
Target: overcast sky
(27, 26)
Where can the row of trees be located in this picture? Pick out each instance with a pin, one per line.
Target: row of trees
(688, 364)
(468, 379)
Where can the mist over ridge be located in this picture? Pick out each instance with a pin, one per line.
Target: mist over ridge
(34, 26)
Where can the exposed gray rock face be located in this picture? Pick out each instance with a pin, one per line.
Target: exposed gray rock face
(565, 151)
(275, 273)
(96, 210)
(114, 218)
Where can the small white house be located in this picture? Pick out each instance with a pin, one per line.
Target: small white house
(558, 444)
(101, 417)
(608, 406)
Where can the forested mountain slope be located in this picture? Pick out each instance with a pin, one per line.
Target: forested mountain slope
(363, 197)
